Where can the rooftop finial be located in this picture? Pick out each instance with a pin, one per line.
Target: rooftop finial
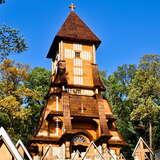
(72, 7)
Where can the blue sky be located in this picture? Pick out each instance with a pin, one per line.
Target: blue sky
(128, 28)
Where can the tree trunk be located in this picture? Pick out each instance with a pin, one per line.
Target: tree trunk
(150, 139)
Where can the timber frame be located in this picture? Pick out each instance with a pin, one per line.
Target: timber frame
(76, 113)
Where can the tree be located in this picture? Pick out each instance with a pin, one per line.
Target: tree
(13, 91)
(38, 81)
(2, 1)
(134, 93)
(11, 41)
(22, 90)
(145, 92)
(117, 88)
(14, 109)
(21, 98)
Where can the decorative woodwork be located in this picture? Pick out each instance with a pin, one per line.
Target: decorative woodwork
(76, 114)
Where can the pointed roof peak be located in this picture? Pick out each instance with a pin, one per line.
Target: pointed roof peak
(20, 144)
(4, 137)
(74, 28)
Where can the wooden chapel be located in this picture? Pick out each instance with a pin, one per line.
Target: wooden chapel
(76, 113)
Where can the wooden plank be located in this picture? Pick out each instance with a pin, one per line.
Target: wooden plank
(66, 112)
(102, 118)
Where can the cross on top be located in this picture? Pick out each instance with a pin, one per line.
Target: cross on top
(72, 7)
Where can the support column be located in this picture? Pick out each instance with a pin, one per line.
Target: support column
(67, 150)
(94, 54)
(61, 50)
(66, 112)
(57, 104)
(102, 118)
(57, 127)
(52, 66)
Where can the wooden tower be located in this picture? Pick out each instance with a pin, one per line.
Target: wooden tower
(76, 113)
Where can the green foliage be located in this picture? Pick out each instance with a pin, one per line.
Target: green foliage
(38, 81)
(22, 90)
(117, 88)
(134, 93)
(2, 1)
(21, 98)
(145, 94)
(13, 95)
(11, 41)
(145, 89)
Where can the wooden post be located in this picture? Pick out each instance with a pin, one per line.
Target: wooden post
(94, 54)
(66, 112)
(53, 68)
(57, 104)
(102, 118)
(61, 56)
(67, 150)
(150, 134)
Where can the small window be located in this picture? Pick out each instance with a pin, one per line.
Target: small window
(77, 54)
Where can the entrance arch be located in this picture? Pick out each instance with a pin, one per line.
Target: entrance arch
(80, 142)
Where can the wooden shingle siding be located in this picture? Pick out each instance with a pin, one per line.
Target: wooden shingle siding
(74, 28)
(96, 78)
(89, 106)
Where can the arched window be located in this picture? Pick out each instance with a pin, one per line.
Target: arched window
(80, 139)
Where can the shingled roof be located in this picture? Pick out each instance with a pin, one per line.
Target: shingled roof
(73, 29)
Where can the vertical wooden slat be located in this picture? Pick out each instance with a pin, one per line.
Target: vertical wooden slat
(94, 54)
(67, 150)
(66, 112)
(102, 118)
